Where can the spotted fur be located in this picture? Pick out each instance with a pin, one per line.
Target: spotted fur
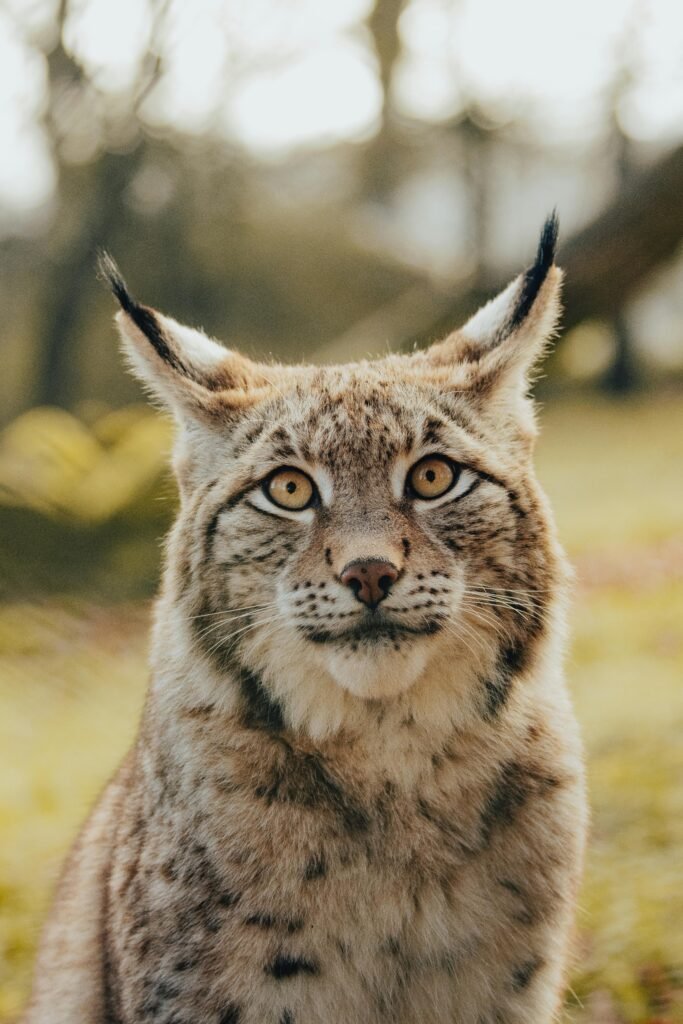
(332, 813)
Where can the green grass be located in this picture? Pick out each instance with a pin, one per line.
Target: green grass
(72, 679)
(71, 685)
(626, 670)
(614, 472)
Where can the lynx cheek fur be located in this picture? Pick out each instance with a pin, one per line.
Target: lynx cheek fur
(357, 790)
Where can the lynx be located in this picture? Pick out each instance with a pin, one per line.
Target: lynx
(356, 794)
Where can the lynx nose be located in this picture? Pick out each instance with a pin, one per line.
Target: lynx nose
(370, 579)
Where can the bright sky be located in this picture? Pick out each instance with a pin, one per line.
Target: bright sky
(277, 75)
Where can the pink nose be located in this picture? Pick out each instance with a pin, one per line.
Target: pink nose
(370, 579)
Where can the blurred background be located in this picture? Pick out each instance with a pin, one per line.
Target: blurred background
(326, 181)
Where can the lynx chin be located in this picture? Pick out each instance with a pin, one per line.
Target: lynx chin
(356, 793)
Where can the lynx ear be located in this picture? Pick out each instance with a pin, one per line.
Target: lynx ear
(183, 367)
(499, 346)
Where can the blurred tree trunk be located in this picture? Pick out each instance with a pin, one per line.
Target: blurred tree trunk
(641, 230)
(99, 189)
(606, 263)
(90, 206)
(623, 374)
(380, 169)
(476, 145)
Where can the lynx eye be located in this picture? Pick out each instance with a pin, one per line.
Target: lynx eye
(290, 488)
(432, 476)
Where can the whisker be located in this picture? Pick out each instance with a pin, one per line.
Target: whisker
(268, 633)
(457, 629)
(490, 588)
(489, 621)
(463, 640)
(528, 612)
(212, 626)
(222, 611)
(236, 633)
(489, 611)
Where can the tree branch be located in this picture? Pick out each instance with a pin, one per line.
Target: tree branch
(605, 263)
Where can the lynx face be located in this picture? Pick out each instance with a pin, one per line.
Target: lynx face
(358, 524)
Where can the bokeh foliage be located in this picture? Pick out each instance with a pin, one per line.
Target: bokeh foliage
(84, 503)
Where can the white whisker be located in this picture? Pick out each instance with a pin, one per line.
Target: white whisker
(231, 637)
(222, 611)
(213, 626)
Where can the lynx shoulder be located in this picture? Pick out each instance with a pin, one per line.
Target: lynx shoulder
(357, 792)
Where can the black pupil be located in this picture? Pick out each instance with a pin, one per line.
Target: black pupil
(431, 475)
(291, 487)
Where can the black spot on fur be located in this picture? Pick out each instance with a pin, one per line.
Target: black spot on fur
(184, 964)
(523, 911)
(260, 711)
(516, 784)
(230, 1015)
(304, 778)
(512, 660)
(165, 990)
(287, 1017)
(228, 899)
(496, 693)
(207, 897)
(284, 966)
(524, 973)
(432, 432)
(315, 867)
(269, 921)
(449, 827)
(264, 921)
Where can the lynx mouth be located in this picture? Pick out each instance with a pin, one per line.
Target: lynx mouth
(374, 628)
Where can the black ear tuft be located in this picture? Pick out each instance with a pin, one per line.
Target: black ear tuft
(109, 272)
(142, 316)
(533, 278)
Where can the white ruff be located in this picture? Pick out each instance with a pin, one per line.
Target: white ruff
(376, 672)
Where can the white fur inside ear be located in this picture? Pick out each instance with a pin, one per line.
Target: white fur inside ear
(142, 358)
(191, 347)
(482, 327)
(195, 347)
(128, 330)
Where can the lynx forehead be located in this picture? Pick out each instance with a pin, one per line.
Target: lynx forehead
(357, 789)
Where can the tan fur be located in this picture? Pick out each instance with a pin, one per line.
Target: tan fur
(311, 830)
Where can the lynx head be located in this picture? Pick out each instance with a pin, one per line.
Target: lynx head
(352, 533)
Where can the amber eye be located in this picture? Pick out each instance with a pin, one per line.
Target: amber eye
(290, 488)
(432, 476)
